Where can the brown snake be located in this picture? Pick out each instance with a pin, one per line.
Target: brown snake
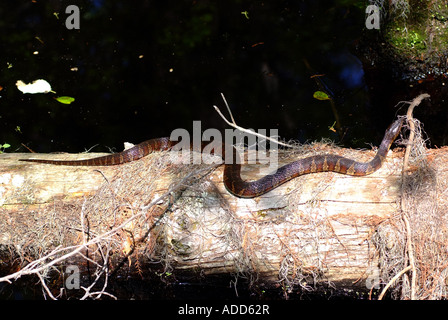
(232, 171)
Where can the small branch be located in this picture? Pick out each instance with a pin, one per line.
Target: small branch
(44, 285)
(410, 249)
(234, 125)
(410, 120)
(411, 256)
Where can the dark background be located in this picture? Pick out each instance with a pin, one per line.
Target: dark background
(145, 68)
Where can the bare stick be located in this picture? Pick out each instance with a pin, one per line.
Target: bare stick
(234, 125)
(411, 123)
(44, 285)
(410, 120)
(228, 108)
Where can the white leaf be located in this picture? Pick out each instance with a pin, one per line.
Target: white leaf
(128, 145)
(37, 86)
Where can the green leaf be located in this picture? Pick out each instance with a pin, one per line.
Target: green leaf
(320, 95)
(65, 99)
(246, 14)
(6, 145)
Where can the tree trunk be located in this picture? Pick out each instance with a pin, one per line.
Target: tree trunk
(317, 228)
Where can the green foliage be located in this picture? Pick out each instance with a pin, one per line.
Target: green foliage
(65, 99)
(4, 146)
(320, 95)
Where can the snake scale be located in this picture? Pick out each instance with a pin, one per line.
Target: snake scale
(232, 171)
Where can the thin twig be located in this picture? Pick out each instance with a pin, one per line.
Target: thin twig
(228, 108)
(234, 125)
(44, 285)
(411, 255)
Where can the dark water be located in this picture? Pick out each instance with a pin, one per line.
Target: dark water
(141, 69)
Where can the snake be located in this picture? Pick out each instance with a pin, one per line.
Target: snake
(232, 169)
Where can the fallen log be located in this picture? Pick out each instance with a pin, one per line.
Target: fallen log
(318, 229)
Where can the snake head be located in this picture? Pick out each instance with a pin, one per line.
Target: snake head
(394, 129)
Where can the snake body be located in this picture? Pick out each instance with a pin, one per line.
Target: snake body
(232, 171)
